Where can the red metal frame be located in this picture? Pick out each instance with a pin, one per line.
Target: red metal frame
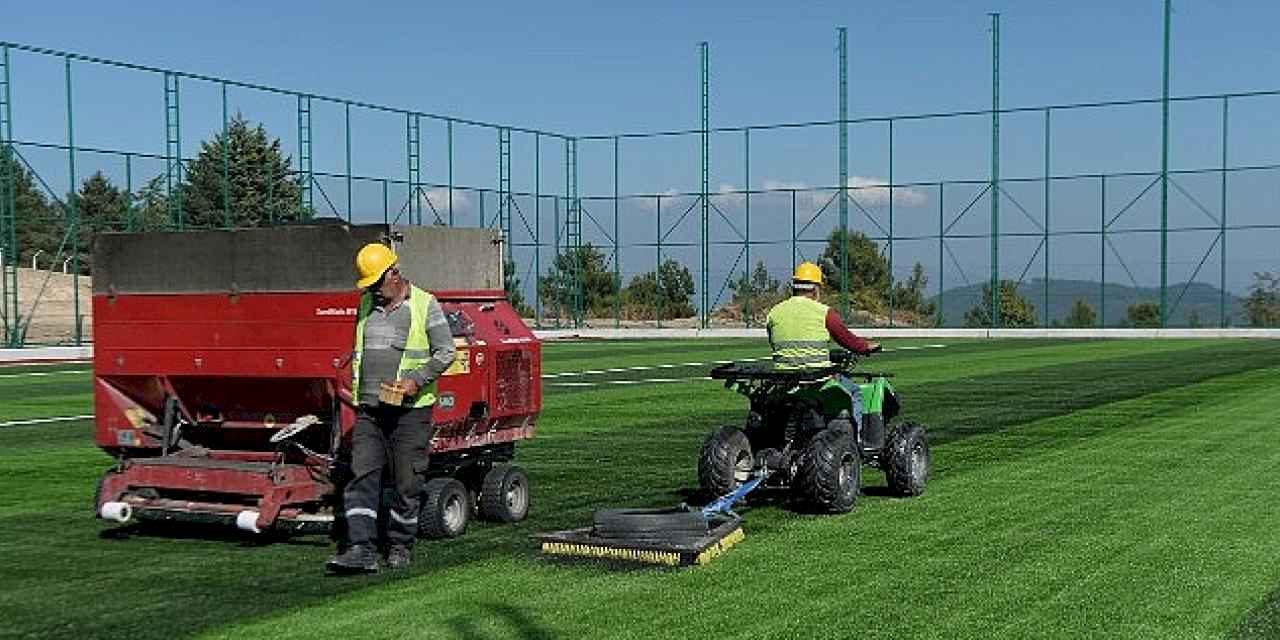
(263, 360)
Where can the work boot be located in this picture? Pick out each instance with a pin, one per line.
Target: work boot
(359, 558)
(399, 557)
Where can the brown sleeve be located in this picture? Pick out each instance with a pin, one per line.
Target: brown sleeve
(843, 336)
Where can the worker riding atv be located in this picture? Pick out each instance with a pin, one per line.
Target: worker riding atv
(811, 424)
(801, 430)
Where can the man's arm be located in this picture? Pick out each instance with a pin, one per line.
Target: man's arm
(442, 349)
(844, 337)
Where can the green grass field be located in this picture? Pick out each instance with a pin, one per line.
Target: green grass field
(1119, 489)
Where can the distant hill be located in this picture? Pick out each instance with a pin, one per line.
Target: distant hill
(1200, 299)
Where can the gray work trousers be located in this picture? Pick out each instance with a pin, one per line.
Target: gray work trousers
(386, 436)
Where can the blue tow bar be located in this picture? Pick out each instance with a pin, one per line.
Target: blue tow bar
(724, 504)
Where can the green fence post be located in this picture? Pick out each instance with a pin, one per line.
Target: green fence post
(1164, 172)
(73, 207)
(994, 194)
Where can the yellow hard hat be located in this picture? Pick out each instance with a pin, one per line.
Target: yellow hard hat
(808, 273)
(373, 260)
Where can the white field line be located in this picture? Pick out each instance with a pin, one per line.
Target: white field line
(23, 423)
(42, 374)
(676, 365)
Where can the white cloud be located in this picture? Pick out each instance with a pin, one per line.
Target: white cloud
(867, 191)
(438, 198)
(875, 192)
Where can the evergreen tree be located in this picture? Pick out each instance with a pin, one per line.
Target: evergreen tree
(663, 295)
(100, 206)
(1143, 315)
(909, 296)
(599, 289)
(1015, 310)
(868, 269)
(260, 188)
(1263, 303)
(754, 295)
(1081, 315)
(38, 225)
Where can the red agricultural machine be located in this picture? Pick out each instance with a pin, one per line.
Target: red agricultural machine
(222, 374)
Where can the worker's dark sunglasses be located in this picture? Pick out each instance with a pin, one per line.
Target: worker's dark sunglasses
(378, 285)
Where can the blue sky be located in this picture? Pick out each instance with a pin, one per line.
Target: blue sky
(582, 69)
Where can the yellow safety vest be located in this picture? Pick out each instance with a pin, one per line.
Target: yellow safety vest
(417, 347)
(798, 334)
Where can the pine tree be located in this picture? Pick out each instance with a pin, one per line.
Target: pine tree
(260, 187)
(100, 206)
(1082, 315)
(1015, 310)
(38, 225)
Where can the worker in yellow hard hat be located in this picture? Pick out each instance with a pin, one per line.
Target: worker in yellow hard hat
(801, 330)
(402, 345)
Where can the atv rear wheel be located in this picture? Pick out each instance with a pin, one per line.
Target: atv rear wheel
(906, 459)
(830, 471)
(725, 462)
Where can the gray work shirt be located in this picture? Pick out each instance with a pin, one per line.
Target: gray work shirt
(386, 332)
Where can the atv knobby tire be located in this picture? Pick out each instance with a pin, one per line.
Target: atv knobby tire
(446, 508)
(504, 494)
(725, 461)
(830, 471)
(906, 459)
(650, 525)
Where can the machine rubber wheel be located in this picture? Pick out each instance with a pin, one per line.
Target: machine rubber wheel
(504, 494)
(906, 459)
(725, 461)
(830, 471)
(650, 525)
(445, 509)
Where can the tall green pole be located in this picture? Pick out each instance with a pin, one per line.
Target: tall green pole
(226, 162)
(1046, 217)
(537, 227)
(1102, 256)
(892, 300)
(1222, 227)
(843, 151)
(1164, 172)
(449, 145)
(657, 264)
(8, 221)
(746, 243)
(705, 197)
(994, 189)
(617, 256)
(128, 192)
(73, 207)
(347, 116)
(942, 266)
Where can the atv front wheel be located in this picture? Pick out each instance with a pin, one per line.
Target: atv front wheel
(830, 471)
(725, 462)
(906, 459)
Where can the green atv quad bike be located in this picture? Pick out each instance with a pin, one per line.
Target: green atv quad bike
(800, 433)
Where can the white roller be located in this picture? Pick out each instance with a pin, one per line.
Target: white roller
(119, 511)
(248, 521)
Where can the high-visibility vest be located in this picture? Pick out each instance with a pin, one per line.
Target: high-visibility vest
(798, 333)
(417, 348)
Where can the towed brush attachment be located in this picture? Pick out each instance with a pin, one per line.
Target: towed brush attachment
(678, 537)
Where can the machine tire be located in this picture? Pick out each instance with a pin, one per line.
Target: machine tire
(504, 494)
(830, 471)
(725, 461)
(446, 508)
(906, 459)
(650, 525)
